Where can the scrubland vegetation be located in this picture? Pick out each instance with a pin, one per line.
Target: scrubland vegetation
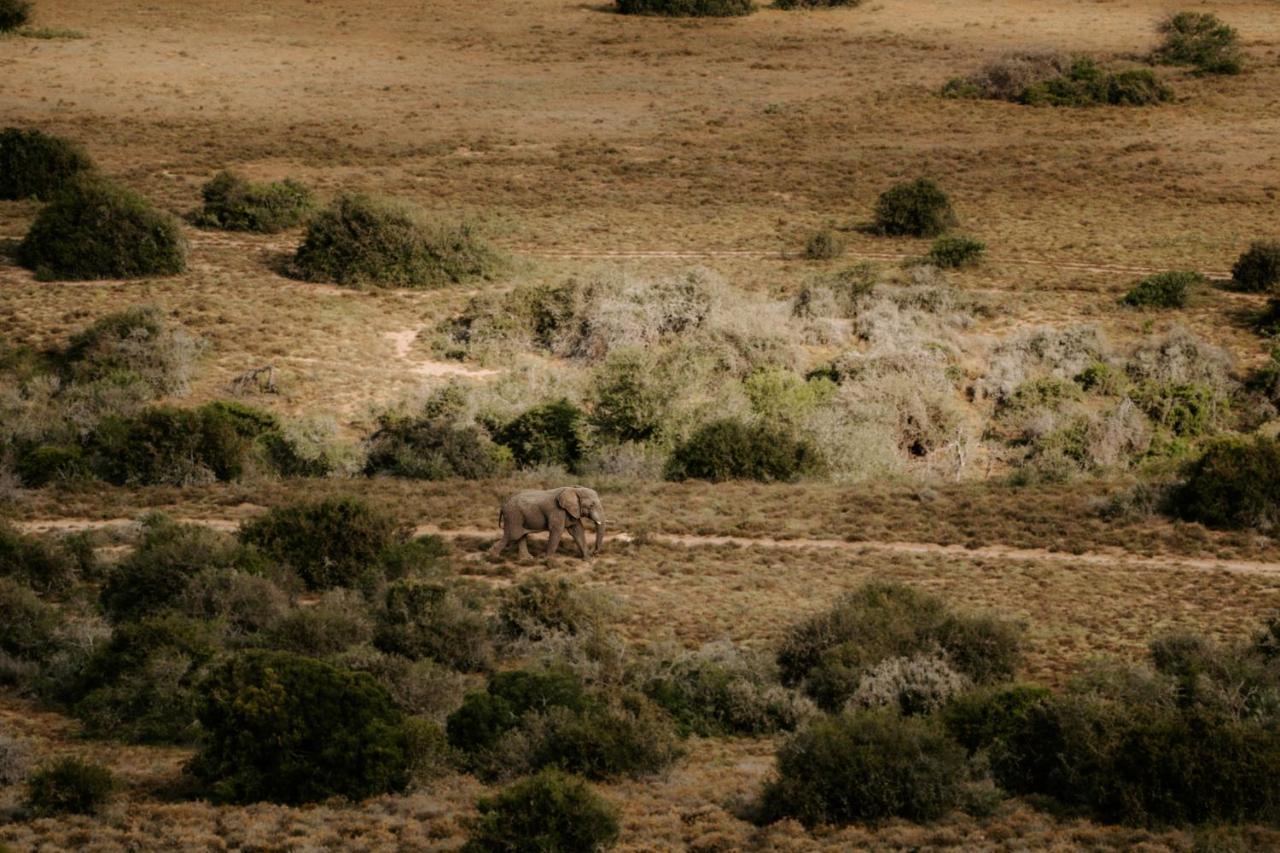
(938, 448)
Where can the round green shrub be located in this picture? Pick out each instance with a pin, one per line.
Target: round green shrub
(864, 767)
(550, 434)
(360, 240)
(1235, 483)
(540, 607)
(290, 729)
(233, 203)
(29, 628)
(951, 253)
(687, 8)
(731, 450)
(1258, 269)
(629, 403)
(332, 542)
(982, 717)
(43, 566)
(34, 164)
(94, 229)
(1163, 290)
(169, 446)
(1202, 40)
(916, 208)
(823, 246)
(422, 619)
(68, 786)
(432, 449)
(550, 811)
(50, 463)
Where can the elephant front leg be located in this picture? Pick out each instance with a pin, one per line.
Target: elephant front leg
(580, 536)
(554, 542)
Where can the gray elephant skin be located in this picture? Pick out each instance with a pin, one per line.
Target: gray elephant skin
(552, 510)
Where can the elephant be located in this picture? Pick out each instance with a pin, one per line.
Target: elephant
(553, 510)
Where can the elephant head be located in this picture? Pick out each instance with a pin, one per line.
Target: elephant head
(578, 502)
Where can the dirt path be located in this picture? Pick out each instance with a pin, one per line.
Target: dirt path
(992, 552)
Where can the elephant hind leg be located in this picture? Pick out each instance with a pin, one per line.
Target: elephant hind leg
(524, 548)
(498, 546)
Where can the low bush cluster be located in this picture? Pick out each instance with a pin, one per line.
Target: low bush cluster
(1234, 483)
(824, 246)
(435, 448)
(362, 241)
(1062, 81)
(687, 8)
(437, 621)
(549, 811)
(1201, 40)
(733, 450)
(94, 229)
(42, 565)
(1163, 290)
(550, 434)
(233, 203)
(1258, 269)
(954, 252)
(916, 208)
(34, 164)
(68, 786)
(540, 608)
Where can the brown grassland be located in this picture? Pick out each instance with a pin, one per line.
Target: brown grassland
(579, 139)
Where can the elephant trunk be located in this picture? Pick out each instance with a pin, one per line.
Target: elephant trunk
(598, 519)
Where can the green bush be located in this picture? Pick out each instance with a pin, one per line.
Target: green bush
(68, 786)
(361, 241)
(1202, 40)
(246, 606)
(137, 343)
(550, 434)
(1085, 84)
(951, 253)
(829, 653)
(169, 446)
(486, 716)
(814, 4)
(1235, 483)
(233, 203)
(980, 718)
(720, 689)
(731, 450)
(687, 8)
(332, 542)
(157, 573)
(629, 403)
(1163, 290)
(421, 619)
(865, 767)
(913, 686)
(34, 164)
(43, 566)
(141, 686)
(1258, 269)
(432, 449)
(39, 466)
(94, 229)
(331, 732)
(423, 557)
(823, 246)
(548, 812)
(540, 607)
(916, 208)
(335, 623)
(1186, 409)
(29, 628)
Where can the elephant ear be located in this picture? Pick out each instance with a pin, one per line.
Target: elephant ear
(568, 501)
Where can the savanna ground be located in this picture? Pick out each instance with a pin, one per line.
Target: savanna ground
(580, 140)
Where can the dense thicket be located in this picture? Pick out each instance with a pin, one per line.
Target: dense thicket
(35, 164)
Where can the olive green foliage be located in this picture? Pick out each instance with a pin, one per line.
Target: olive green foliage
(814, 4)
(954, 252)
(1258, 269)
(435, 620)
(540, 607)
(485, 716)
(550, 812)
(824, 246)
(829, 653)
(13, 14)
(721, 689)
(1189, 743)
(94, 229)
(1163, 290)
(732, 450)
(233, 203)
(781, 397)
(137, 344)
(29, 628)
(1202, 40)
(981, 718)
(156, 574)
(170, 446)
(34, 164)
(629, 403)
(687, 8)
(1235, 483)
(432, 448)
(916, 208)
(141, 686)
(335, 623)
(331, 732)
(332, 542)
(421, 557)
(1186, 409)
(549, 434)
(1086, 84)
(45, 566)
(363, 241)
(68, 786)
(865, 766)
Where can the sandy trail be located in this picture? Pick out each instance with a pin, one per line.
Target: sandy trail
(992, 552)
